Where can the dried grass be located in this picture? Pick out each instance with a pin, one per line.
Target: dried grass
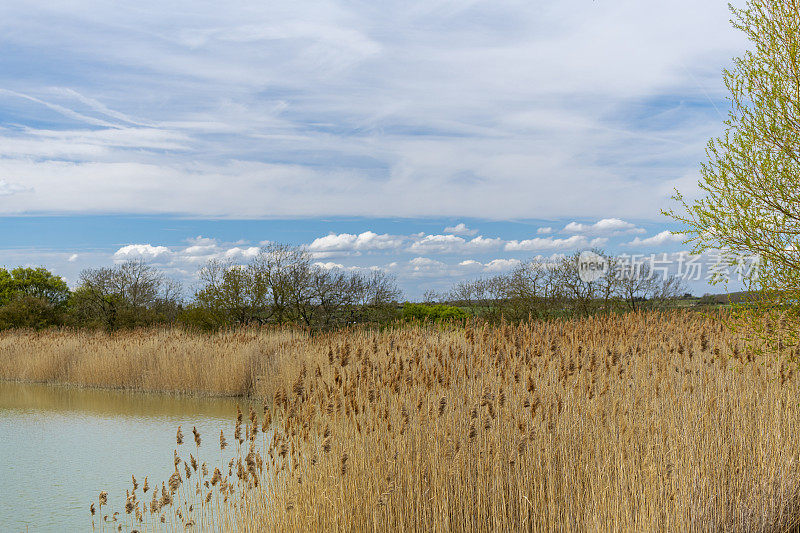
(637, 423)
(151, 360)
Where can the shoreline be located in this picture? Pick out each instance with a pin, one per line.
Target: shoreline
(154, 392)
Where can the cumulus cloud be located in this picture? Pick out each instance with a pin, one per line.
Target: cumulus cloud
(493, 266)
(198, 250)
(606, 226)
(329, 265)
(425, 262)
(347, 242)
(201, 249)
(146, 252)
(543, 243)
(460, 229)
(437, 244)
(501, 265)
(452, 244)
(484, 244)
(544, 231)
(660, 239)
(241, 254)
(423, 267)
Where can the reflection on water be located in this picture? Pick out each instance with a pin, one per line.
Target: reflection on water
(39, 397)
(60, 446)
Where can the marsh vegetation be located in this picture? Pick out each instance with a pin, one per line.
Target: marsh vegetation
(649, 423)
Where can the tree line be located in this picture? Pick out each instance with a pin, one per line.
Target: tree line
(279, 286)
(550, 288)
(282, 286)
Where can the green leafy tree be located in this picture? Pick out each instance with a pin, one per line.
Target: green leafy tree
(30, 312)
(31, 298)
(751, 182)
(33, 282)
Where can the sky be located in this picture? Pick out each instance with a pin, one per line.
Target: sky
(435, 140)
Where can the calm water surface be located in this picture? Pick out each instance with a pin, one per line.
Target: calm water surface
(59, 447)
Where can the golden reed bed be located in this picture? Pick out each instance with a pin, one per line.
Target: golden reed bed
(226, 364)
(636, 423)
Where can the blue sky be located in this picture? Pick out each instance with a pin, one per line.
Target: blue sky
(181, 131)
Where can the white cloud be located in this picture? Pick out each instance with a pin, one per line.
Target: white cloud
(201, 249)
(437, 244)
(460, 229)
(606, 226)
(493, 266)
(665, 237)
(542, 243)
(72, 258)
(507, 108)
(347, 242)
(329, 265)
(424, 262)
(241, 254)
(501, 265)
(544, 231)
(452, 244)
(484, 244)
(7, 188)
(424, 267)
(142, 251)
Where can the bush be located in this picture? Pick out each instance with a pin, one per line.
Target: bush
(26, 311)
(199, 318)
(436, 313)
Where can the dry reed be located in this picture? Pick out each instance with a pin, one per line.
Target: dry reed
(640, 423)
(164, 360)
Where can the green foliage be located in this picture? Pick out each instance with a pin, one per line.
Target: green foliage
(30, 312)
(33, 282)
(31, 298)
(436, 313)
(751, 182)
(202, 318)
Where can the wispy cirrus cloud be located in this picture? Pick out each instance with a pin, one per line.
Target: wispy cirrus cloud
(358, 109)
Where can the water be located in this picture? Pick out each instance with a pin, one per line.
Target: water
(60, 446)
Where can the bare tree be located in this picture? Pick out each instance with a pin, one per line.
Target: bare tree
(281, 285)
(129, 294)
